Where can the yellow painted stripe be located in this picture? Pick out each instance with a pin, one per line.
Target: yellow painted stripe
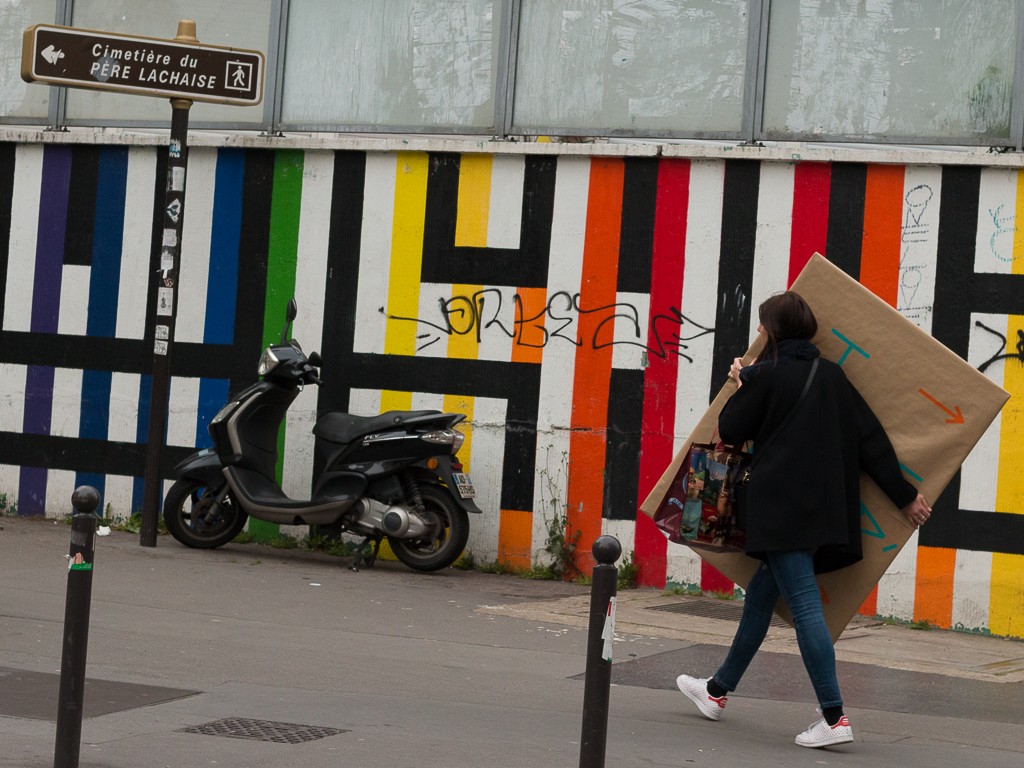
(1006, 595)
(462, 404)
(406, 264)
(474, 200)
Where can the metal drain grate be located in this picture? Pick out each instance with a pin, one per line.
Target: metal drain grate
(711, 609)
(262, 730)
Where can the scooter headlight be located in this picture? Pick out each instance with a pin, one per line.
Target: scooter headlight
(268, 362)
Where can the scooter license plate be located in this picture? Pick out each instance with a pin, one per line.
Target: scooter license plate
(464, 485)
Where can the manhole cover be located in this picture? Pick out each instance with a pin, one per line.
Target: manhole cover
(712, 609)
(262, 730)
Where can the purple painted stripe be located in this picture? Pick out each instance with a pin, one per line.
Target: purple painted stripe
(36, 421)
(53, 214)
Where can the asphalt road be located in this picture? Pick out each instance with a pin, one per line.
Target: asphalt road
(387, 667)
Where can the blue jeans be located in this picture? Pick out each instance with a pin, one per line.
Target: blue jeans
(790, 574)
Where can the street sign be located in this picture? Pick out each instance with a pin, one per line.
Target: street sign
(147, 66)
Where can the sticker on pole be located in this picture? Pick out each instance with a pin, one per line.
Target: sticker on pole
(608, 633)
(147, 66)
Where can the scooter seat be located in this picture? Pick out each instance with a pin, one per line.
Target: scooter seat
(347, 427)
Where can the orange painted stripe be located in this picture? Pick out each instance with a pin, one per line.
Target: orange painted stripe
(933, 592)
(515, 538)
(880, 254)
(880, 247)
(591, 384)
(528, 344)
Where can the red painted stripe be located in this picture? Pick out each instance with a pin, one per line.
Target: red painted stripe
(712, 580)
(811, 186)
(592, 380)
(660, 378)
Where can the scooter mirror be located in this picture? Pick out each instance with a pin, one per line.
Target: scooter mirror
(314, 359)
(290, 313)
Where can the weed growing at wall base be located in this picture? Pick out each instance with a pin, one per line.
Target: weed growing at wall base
(8, 507)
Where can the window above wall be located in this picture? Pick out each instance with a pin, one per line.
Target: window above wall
(867, 71)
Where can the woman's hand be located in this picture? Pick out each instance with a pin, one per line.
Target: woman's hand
(918, 511)
(734, 371)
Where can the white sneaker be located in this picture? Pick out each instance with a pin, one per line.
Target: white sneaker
(821, 734)
(696, 690)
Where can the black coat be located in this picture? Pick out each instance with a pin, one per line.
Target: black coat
(804, 492)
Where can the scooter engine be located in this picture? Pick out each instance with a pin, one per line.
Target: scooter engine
(391, 520)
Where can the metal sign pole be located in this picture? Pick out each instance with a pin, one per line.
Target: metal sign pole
(166, 304)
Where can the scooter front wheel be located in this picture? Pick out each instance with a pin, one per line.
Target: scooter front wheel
(194, 517)
(449, 532)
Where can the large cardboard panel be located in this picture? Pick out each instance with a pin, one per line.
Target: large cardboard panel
(933, 405)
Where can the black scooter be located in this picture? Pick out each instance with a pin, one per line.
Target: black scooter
(392, 476)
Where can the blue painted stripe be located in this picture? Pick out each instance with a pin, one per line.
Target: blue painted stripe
(107, 238)
(95, 419)
(213, 393)
(222, 286)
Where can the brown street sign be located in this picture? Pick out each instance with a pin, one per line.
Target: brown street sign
(147, 66)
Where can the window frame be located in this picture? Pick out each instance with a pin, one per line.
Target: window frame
(507, 18)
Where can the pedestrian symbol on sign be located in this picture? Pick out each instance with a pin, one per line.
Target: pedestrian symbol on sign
(239, 75)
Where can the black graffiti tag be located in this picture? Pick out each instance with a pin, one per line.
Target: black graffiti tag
(670, 332)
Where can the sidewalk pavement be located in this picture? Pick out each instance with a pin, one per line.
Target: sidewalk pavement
(387, 667)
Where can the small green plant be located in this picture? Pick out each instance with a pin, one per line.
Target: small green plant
(923, 625)
(688, 590)
(284, 541)
(466, 561)
(561, 541)
(560, 544)
(243, 537)
(628, 572)
(331, 545)
(8, 507)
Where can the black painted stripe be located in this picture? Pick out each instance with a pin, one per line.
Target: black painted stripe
(522, 267)
(951, 319)
(622, 453)
(84, 454)
(735, 267)
(7, 152)
(253, 250)
(85, 171)
(636, 240)
(846, 216)
(342, 279)
(972, 530)
(519, 464)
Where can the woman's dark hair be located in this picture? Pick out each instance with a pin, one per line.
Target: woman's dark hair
(785, 316)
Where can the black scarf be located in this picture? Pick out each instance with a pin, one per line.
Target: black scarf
(788, 349)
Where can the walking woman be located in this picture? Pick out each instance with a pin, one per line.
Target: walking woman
(803, 498)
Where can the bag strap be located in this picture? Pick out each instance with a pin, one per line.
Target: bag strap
(759, 450)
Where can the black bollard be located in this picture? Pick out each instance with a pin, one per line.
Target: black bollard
(85, 501)
(598, 678)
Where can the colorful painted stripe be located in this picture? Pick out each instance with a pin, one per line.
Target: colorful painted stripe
(811, 187)
(592, 379)
(657, 440)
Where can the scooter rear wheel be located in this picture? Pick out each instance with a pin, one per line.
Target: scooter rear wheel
(450, 531)
(196, 520)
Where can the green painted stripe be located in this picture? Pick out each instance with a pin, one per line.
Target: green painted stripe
(282, 258)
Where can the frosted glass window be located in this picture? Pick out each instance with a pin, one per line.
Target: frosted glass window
(237, 23)
(425, 63)
(873, 68)
(19, 99)
(631, 66)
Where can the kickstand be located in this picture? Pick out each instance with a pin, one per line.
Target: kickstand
(371, 543)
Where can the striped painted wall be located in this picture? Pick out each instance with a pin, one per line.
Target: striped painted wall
(581, 311)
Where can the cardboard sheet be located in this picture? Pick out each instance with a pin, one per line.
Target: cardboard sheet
(933, 405)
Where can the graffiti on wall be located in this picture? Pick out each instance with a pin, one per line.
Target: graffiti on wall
(586, 308)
